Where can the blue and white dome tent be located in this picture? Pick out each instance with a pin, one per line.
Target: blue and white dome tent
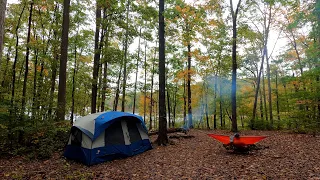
(105, 136)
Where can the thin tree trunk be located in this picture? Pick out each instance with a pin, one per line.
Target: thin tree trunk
(190, 123)
(294, 44)
(124, 84)
(145, 83)
(215, 103)
(24, 90)
(136, 80)
(234, 67)
(206, 96)
(54, 65)
(63, 62)
(268, 69)
(220, 103)
(261, 105)
(116, 99)
(257, 91)
(277, 94)
(105, 70)
(34, 99)
(3, 4)
(99, 86)
(184, 102)
(168, 104)
(264, 98)
(151, 90)
(96, 60)
(73, 80)
(162, 136)
(175, 105)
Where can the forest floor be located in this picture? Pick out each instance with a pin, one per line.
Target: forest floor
(285, 156)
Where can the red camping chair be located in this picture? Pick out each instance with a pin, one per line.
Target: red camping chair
(240, 143)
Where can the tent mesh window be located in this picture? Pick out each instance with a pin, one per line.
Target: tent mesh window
(76, 137)
(133, 130)
(114, 134)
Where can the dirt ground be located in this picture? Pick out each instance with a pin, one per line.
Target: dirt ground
(286, 156)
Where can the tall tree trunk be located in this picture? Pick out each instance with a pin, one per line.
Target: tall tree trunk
(34, 98)
(317, 66)
(136, 80)
(3, 4)
(184, 102)
(277, 95)
(190, 123)
(215, 102)
(105, 70)
(116, 99)
(168, 104)
(234, 67)
(63, 62)
(104, 88)
(124, 84)
(268, 68)
(145, 82)
(264, 98)
(96, 60)
(24, 90)
(261, 105)
(73, 80)
(162, 136)
(151, 89)
(257, 90)
(54, 64)
(294, 44)
(175, 105)
(206, 100)
(220, 104)
(100, 84)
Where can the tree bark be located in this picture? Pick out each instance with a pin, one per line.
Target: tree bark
(61, 111)
(175, 105)
(184, 102)
(124, 84)
(34, 98)
(73, 80)
(96, 60)
(168, 104)
(25, 79)
(206, 100)
(3, 4)
(105, 74)
(215, 102)
(162, 136)
(277, 95)
(234, 67)
(15, 61)
(268, 69)
(145, 83)
(54, 64)
(116, 99)
(151, 90)
(264, 98)
(136, 80)
(190, 123)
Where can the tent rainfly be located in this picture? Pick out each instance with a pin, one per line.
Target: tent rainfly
(106, 136)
